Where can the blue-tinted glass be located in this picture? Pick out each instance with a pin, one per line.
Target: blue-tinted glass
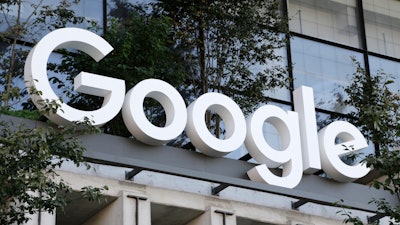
(91, 10)
(30, 11)
(278, 93)
(325, 68)
(389, 67)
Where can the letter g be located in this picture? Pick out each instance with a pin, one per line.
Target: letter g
(112, 89)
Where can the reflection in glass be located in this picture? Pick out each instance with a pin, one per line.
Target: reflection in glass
(325, 68)
(282, 93)
(29, 15)
(91, 10)
(382, 26)
(389, 67)
(330, 20)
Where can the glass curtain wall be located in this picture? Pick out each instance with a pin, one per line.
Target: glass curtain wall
(326, 36)
(332, 20)
(382, 26)
(382, 31)
(91, 10)
(323, 67)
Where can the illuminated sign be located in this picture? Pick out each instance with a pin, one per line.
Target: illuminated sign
(304, 149)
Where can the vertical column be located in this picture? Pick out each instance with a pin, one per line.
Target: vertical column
(137, 209)
(129, 209)
(215, 216)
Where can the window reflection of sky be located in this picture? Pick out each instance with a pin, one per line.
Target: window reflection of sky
(389, 67)
(320, 66)
(324, 68)
(91, 10)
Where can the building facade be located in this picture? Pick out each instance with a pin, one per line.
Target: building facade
(169, 186)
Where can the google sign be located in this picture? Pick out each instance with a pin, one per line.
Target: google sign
(304, 149)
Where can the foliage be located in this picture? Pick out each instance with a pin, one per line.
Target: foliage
(142, 49)
(376, 113)
(349, 218)
(376, 107)
(230, 47)
(27, 114)
(29, 159)
(30, 156)
(200, 46)
(22, 23)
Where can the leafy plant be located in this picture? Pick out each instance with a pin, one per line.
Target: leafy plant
(22, 23)
(30, 156)
(377, 114)
(29, 159)
(142, 49)
(376, 107)
(230, 47)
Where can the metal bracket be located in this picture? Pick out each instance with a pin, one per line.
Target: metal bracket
(374, 218)
(218, 189)
(129, 175)
(246, 157)
(296, 205)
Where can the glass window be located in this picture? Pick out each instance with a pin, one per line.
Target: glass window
(389, 67)
(17, 76)
(276, 93)
(18, 79)
(91, 10)
(28, 15)
(325, 68)
(118, 9)
(382, 26)
(326, 19)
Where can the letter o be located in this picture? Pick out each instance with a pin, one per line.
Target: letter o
(136, 120)
(233, 118)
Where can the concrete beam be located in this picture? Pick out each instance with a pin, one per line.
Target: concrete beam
(119, 151)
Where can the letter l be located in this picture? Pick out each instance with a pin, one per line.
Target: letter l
(304, 105)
